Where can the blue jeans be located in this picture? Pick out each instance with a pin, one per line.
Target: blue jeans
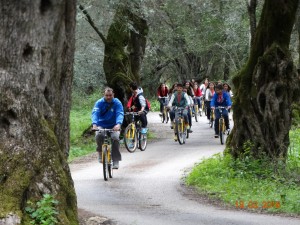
(185, 115)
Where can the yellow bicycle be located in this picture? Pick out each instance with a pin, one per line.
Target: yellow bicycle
(107, 161)
(212, 118)
(179, 125)
(222, 127)
(133, 136)
(165, 114)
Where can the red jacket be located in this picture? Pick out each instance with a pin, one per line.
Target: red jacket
(162, 93)
(198, 92)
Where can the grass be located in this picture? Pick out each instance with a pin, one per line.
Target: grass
(252, 184)
(80, 120)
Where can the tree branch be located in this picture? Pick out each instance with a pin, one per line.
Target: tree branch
(91, 22)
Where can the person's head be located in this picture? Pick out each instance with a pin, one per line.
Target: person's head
(211, 85)
(179, 88)
(219, 88)
(108, 94)
(133, 86)
(226, 87)
(187, 83)
(206, 81)
(195, 86)
(162, 85)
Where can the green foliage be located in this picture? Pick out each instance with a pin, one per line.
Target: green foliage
(154, 105)
(44, 211)
(250, 180)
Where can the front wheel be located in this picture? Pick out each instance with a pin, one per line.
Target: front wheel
(130, 138)
(180, 131)
(143, 142)
(221, 131)
(105, 163)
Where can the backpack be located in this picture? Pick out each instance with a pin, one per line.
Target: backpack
(148, 104)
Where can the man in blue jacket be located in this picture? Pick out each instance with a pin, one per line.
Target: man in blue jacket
(108, 113)
(220, 98)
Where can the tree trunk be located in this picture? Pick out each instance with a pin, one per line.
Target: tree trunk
(124, 50)
(266, 87)
(36, 69)
(252, 17)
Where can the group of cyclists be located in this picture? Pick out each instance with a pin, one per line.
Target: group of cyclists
(191, 93)
(108, 112)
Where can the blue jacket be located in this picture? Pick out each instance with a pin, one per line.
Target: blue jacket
(224, 101)
(112, 117)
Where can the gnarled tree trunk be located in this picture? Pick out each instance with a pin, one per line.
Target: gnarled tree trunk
(124, 50)
(267, 86)
(36, 70)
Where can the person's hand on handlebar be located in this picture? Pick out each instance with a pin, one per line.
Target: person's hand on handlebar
(117, 127)
(94, 127)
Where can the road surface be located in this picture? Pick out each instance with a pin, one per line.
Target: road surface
(147, 189)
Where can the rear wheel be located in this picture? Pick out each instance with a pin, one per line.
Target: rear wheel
(179, 131)
(105, 163)
(167, 116)
(143, 142)
(130, 138)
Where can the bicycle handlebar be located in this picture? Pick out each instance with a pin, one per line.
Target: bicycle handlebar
(132, 113)
(103, 129)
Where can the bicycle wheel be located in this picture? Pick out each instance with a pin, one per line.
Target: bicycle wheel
(105, 163)
(130, 138)
(167, 116)
(143, 142)
(163, 117)
(179, 130)
(109, 164)
(196, 112)
(221, 131)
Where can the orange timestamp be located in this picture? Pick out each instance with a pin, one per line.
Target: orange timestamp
(257, 204)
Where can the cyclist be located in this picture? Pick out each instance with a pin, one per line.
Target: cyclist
(221, 98)
(189, 88)
(190, 109)
(198, 95)
(179, 99)
(108, 113)
(209, 93)
(137, 103)
(204, 86)
(162, 92)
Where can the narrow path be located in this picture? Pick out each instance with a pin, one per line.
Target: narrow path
(147, 188)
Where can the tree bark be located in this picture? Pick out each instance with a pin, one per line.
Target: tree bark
(36, 69)
(266, 87)
(251, 5)
(124, 50)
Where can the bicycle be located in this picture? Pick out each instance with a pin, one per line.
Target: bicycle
(107, 161)
(180, 128)
(197, 109)
(222, 127)
(133, 137)
(165, 114)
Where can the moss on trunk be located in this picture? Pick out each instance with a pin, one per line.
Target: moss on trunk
(35, 91)
(266, 87)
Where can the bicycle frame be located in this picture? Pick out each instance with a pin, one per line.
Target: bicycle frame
(106, 154)
(180, 125)
(222, 127)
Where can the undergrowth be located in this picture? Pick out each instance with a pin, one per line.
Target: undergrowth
(251, 183)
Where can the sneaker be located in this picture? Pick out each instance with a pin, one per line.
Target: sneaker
(171, 126)
(175, 137)
(130, 145)
(144, 130)
(116, 165)
(216, 135)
